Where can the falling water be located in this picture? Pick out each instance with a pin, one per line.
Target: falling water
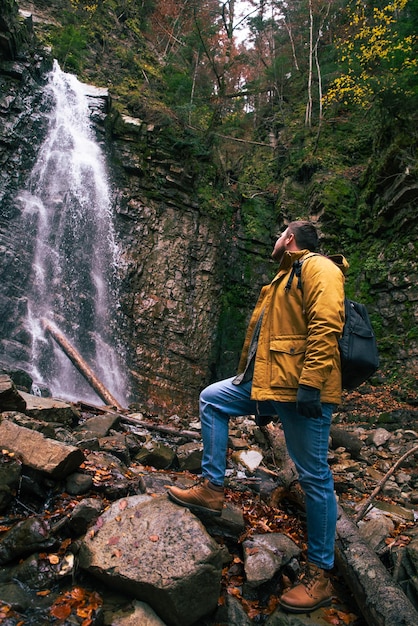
(67, 206)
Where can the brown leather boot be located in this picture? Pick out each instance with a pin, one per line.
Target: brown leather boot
(313, 592)
(203, 497)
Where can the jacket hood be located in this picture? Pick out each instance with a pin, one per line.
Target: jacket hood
(340, 261)
(290, 257)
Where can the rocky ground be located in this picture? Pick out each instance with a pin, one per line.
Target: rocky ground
(53, 498)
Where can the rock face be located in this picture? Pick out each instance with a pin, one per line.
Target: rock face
(22, 128)
(170, 289)
(171, 292)
(135, 546)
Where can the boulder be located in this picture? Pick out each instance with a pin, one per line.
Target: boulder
(159, 553)
(42, 454)
(50, 409)
(98, 426)
(25, 537)
(10, 473)
(139, 613)
(10, 399)
(265, 554)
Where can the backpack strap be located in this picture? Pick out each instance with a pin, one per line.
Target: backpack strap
(297, 271)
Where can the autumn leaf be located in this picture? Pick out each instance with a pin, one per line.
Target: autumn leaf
(113, 541)
(65, 545)
(53, 559)
(61, 611)
(46, 592)
(234, 591)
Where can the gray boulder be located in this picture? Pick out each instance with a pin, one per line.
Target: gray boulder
(159, 553)
(264, 555)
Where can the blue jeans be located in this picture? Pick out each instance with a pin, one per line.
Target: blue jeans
(307, 444)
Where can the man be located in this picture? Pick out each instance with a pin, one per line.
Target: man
(290, 366)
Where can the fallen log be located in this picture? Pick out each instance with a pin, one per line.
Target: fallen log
(347, 440)
(380, 599)
(167, 430)
(80, 364)
(134, 421)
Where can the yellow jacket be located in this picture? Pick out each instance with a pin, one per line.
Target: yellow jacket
(298, 341)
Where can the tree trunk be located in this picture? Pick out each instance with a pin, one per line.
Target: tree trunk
(81, 364)
(381, 601)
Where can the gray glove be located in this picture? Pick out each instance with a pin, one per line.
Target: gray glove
(308, 401)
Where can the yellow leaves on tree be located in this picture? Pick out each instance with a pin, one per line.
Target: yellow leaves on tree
(374, 53)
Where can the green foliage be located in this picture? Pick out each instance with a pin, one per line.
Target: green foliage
(69, 46)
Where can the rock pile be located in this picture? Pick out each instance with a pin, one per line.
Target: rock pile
(83, 498)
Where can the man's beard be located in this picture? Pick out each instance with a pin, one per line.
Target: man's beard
(278, 253)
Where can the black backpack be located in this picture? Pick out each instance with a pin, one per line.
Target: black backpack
(358, 346)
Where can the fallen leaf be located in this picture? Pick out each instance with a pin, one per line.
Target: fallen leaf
(61, 611)
(53, 559)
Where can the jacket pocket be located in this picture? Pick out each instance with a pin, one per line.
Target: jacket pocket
(286, 361)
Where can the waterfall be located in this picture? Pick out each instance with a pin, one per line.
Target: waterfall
(68, 209)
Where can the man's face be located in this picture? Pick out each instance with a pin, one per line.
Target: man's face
(280, 246)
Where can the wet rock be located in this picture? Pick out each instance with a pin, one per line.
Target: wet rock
(375, 529)
(34, 484)
(10, 398)
(50, 409)
(45, 455)
(83, 515)
(347, 440)
(110, 476)
(136, 546)
(40, 572)
(156, 454)
(232, 613)
(98, 426)
(190, 456)
(77, 484)
(47, 429)
(30, 535)
(139, 613)
(155, 482)
(264, 555)
(402, 478)
(391, 489)
(116, 445)
(230, 524)
(15, 596)
(10, 472)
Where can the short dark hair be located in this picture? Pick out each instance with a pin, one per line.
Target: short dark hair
(306, 235)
